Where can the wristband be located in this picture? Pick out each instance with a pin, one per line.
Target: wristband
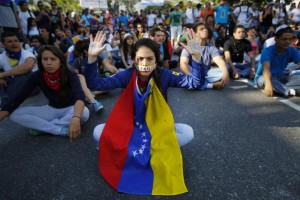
(75, 117)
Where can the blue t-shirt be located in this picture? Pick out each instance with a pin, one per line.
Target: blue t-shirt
(123, 19)
(278, 63)
(208, 52)
(222, 13)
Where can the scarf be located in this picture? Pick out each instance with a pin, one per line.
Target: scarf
(13, 55)
(53, 80)
(139, 152)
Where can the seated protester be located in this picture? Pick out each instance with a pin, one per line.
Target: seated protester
(126, 51)
(108, 46)
(80, 54)
(116, 45)
(65, 111)
(215, 78)
(221, 39)
(47, 38)
(159, 38)
(251, 36)
(65, 42)
(271, 73)
(234, 50)
(142, 112)
(35, 43)
(16, 65)
(32, 28)
(296, 40)
(77, 66)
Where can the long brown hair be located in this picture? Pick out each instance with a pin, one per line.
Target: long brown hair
(65, 71)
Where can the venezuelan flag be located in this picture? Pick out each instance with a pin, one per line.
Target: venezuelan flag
(139, 151)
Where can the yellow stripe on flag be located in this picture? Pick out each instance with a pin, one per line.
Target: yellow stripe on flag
(166, 159)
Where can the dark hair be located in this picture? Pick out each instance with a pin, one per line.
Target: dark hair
(65, 71)
(21, 3)
(37, 37)
(153, 31)
(196, 26)
(29, 21)
(6, 34)
(279, 33)
(146, 42)
(237, 27)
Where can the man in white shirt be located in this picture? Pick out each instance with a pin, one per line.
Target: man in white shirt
(244, 14)
(16, 64)
(24, 14)
(189, 13)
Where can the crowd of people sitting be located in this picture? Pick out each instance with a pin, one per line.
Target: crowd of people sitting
(235, 42)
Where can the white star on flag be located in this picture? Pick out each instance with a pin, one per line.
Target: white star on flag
(144, 134)
(141, 151)
(143, 146)
(134, 153)
(141, 126)
(145, 140)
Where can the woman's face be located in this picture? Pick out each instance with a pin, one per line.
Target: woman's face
(129, 41)
(33, 23)
(50, 62)
(145, 59)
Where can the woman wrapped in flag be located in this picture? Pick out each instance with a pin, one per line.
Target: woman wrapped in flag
(139, 146)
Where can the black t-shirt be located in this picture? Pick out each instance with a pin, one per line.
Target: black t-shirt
(237, 49)
(221, 41)
(44, 21)
(267, 21)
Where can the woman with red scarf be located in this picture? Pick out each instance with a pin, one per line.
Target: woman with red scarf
(65, 111)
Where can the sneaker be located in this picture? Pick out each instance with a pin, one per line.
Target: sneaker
(64, 131)
(97, 106)
(35, 132)
(218, 85)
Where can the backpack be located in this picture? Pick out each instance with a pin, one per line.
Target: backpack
(241, 11)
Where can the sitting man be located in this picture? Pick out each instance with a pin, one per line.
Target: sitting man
(16, 64)
(271, 73)
(234, 50)
(215, 78)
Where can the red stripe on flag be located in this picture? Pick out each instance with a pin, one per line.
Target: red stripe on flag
(116, 136)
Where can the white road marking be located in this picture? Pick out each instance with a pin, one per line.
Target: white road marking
(282, 100)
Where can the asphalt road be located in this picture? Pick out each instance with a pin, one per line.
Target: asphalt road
(246, 146)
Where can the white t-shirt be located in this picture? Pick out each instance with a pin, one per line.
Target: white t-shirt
(4, 63)
(189, 18)
(33, 31)
(244, 13)
(23, 16)
(296, 15)
(150, 19)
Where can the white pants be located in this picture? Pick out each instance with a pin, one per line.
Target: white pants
(184, 133)
(175, 32)
(46, 118)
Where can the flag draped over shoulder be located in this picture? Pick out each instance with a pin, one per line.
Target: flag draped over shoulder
(139, 152)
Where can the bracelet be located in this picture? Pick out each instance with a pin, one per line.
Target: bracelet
(75, 116)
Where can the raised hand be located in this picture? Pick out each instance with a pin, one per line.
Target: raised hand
(193, 45)
(96, 45)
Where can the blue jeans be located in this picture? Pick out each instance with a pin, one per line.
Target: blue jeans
(14, 86)
(281, 83)
(242, 68)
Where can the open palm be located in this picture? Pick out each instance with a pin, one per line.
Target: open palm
(193, 45)
(96, 44)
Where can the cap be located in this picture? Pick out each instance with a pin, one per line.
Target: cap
(127, 35)
(284, 26)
